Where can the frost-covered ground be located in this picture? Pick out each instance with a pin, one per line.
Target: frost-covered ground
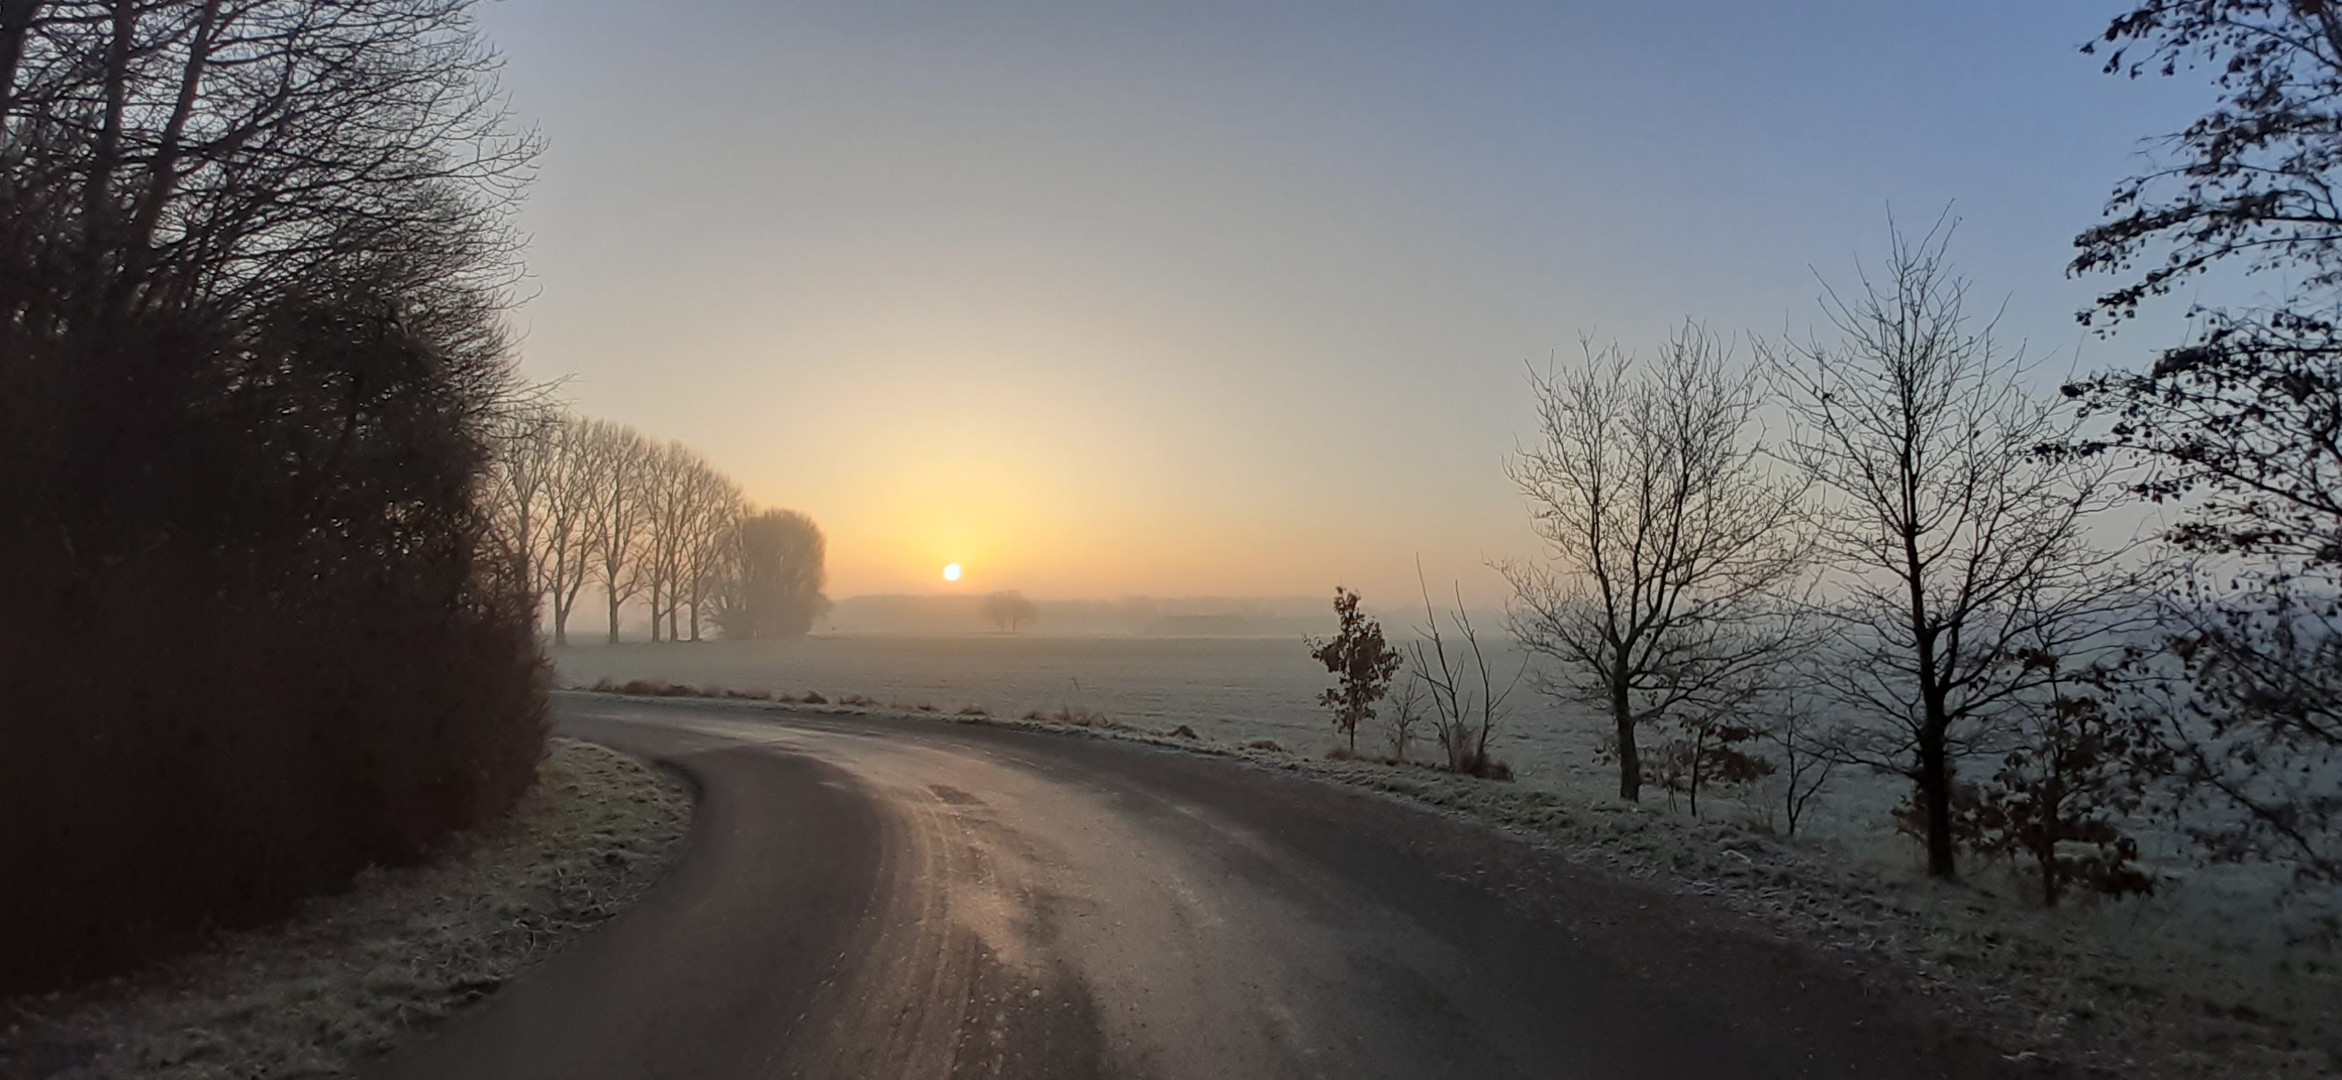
(2206, 967)
(318, 992)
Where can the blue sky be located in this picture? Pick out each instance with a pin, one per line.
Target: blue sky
(1235, 298)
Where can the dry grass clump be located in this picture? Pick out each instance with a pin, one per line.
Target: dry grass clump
(1076, 716)
(338, 981)
(858, 701)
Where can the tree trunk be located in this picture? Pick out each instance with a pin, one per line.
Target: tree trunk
(1630, 764)
(613, 616)
(1699, 751)
(1935, 790)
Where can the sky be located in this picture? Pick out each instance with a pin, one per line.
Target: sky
(1106, 299)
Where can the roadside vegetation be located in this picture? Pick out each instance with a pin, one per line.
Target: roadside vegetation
(403, 948)
(254, 265)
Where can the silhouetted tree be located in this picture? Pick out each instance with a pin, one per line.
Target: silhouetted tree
(1958, 544)
(2240, 429)
(617, 463)
(1361, 662)
(569, 495)
(2064, 793)
(1009, 610)
(255, 628)
(2255, 179)
(1669, 541)
(774, 586)
(712, 520)
(1806, 760)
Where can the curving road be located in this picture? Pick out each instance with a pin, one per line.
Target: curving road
(898, 898)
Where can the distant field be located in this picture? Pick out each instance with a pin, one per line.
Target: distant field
(1229, 689)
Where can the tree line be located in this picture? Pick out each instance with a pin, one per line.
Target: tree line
(575, 501)
(255, 257)
(1910, 569)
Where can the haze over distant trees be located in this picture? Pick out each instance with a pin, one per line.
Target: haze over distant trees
(577, 501)
(1008, 611)
(771, 576)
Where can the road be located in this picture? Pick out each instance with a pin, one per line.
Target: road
(902, 898)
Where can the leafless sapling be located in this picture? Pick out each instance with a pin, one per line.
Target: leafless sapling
(1468, 694)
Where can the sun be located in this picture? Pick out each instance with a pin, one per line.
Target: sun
(951, 572)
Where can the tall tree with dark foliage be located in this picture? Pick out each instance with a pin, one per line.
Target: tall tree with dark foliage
(2241, 428)
(254, 258)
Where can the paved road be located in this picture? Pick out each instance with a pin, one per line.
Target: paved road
(867, 898)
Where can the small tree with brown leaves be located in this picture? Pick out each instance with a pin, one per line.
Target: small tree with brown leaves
(1360, 659)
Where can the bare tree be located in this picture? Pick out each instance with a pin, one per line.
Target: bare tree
(1807, 759)
(1958, 544)
(570, 493)
(617, 461)
(1408, 699)
(712, 526)
(525, 458)
(670, 479)
(1009, 611)
(1668, 540)
(1468, 695)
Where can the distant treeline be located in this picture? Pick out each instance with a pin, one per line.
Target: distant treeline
(1279, 617)
(254, 263)
(577, 501)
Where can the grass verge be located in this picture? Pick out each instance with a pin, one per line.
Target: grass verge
(314, 995)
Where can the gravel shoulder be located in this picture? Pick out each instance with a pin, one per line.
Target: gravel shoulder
(351, 973)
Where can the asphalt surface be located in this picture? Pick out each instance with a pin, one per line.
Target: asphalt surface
(903, 898)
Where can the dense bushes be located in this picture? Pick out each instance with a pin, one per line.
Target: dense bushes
(250, 360)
